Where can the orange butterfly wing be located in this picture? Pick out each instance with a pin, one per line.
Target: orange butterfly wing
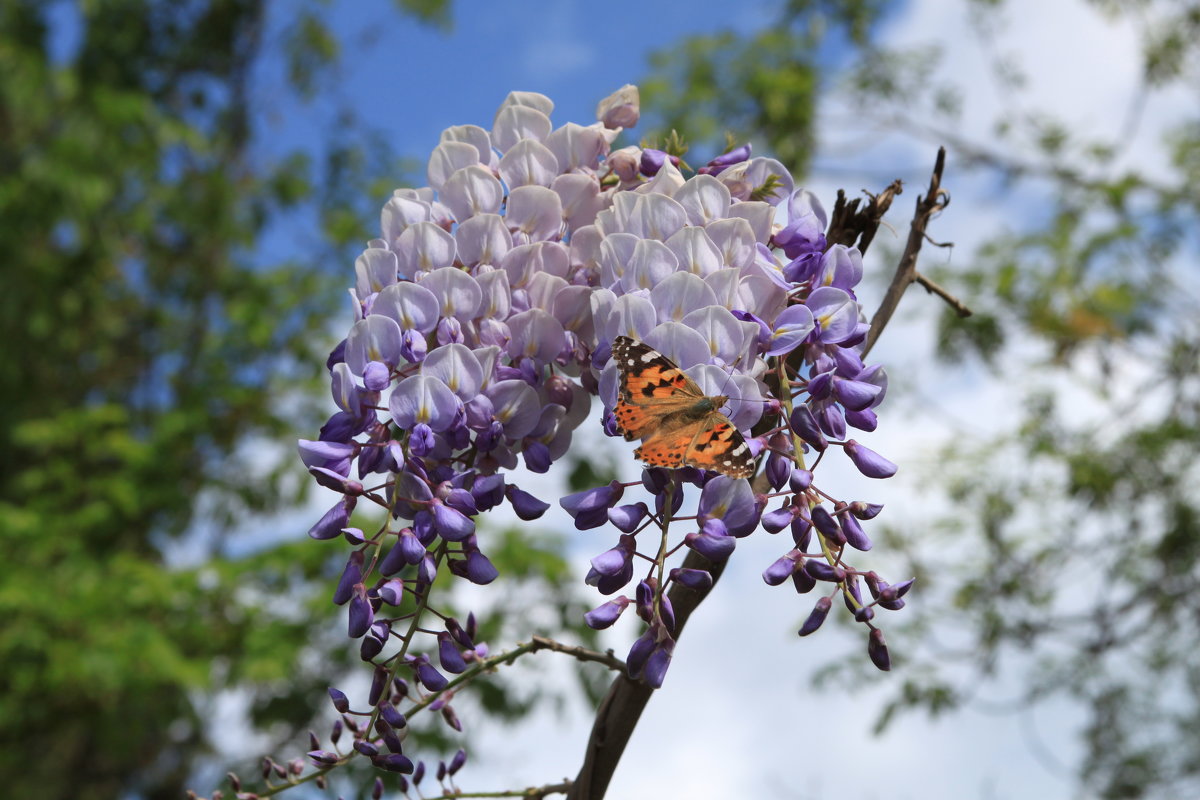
(661, 405)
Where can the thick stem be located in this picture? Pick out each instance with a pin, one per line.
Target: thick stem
(622, 707)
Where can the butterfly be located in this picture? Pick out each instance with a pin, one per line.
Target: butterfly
(678, 424)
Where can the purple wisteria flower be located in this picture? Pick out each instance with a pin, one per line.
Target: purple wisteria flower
(484, 317)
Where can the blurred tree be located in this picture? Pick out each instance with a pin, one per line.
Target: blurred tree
(151, 350)
(1082, 572)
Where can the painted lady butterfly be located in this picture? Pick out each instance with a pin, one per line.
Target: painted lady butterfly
(678, 424)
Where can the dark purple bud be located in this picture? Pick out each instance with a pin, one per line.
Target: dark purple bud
(450, 523)
(820, 386)
(825, 523)
(775, 521)
(864, 420)
(393, 762)
(877, 650)
(606, 614)
(479, 569)
(869, 462)
(778, 467)
(377, 789)
(800, 480)
(823, 571)
(332, 480)
(457, 762)
(639, 653)
(410, 547)
(819, 613)
(392, 592)
(803, 582)
(429, 677)
(336, 518)
(714, 547)
(392, 717)
(589, 508)
(379, 681)
(441, 771)
(450, 718)
(626, 518)
(448, 655)
(420, 773)
(644, 598)
(459, 499)
(856, 537)
(781, 570)
(805, 425)
(366, 748)
(734, 156)
(268, 766)
(865, 511)
(336, 733)
(370, 646)
(488, 491)
(526, 506)
(652, 161)
(657, 664)
(802, 531)
(354, 536)
(320, 758)
(423, 527)
(390, 739)
(402, 782)
(855, 395)
(394, 561)
(427, 569)
(613, 561)
(692, 578)
(340, 701)
(460, 635)
(351, 576)
(234, 781)
(667, 613)
(361, 614)
(832, 421)
(537, 456)
(864, 614)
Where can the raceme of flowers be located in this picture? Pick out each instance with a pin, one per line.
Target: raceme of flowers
(484, 317)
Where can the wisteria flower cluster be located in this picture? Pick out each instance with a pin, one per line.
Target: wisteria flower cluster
(484, 319)
(750, 303)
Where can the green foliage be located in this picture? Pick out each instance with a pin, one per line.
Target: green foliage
(150, 347)
(761, 87)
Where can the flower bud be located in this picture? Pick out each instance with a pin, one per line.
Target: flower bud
(877, 650)
(869, 462)
(340, 701)
(606, 614)
(819, 613)
(320, 758)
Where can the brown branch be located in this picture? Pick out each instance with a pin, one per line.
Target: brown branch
(934, 288)
(532, 793)
(582, 653)
(934, 200)
(622, 707)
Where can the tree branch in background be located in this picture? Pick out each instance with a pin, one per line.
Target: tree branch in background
(934, 200)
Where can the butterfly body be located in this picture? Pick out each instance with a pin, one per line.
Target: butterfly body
(678, 424)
